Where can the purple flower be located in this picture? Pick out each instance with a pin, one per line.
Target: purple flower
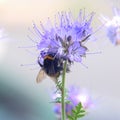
(113, 27)
(75, 96)
(65, 39)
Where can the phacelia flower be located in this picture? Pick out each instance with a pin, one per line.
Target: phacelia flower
(113, 27)
(75, 96)
(65, 38)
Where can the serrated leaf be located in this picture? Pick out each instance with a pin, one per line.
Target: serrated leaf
(58, 100)
(67, 102)
(70, 117)
(77, 112)
(81, 115)
(82, 111)
(80, 105)
(74, 111)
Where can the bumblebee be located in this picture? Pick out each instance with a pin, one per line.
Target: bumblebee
(52, 67)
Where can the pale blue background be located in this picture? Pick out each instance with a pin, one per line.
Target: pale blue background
(20, 97)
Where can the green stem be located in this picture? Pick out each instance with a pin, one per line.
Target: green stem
(63, 91)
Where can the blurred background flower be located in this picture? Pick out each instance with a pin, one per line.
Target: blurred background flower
(113, 27)
(75, 95)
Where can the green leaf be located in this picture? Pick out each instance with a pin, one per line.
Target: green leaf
(82, 111)
(58, 100)
(74, 111)
(77, 112)
(79, 116)
(67, 102)
(70, 117)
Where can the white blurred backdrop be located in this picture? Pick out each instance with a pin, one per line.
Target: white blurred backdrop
(20, 97)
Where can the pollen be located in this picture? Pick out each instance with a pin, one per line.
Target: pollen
(48, 57)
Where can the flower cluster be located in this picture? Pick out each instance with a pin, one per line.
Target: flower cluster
(113, 27)
(75, 96)
(59, 46)
(65, 39)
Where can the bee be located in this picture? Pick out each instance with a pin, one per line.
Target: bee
(52, 67)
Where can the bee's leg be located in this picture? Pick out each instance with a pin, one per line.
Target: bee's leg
(40, 64)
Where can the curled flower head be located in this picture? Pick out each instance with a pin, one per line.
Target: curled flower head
(75, 96)
(113, 27)
(65, 39)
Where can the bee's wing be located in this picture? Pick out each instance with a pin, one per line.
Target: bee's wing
(54, 79)
(41, 75)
